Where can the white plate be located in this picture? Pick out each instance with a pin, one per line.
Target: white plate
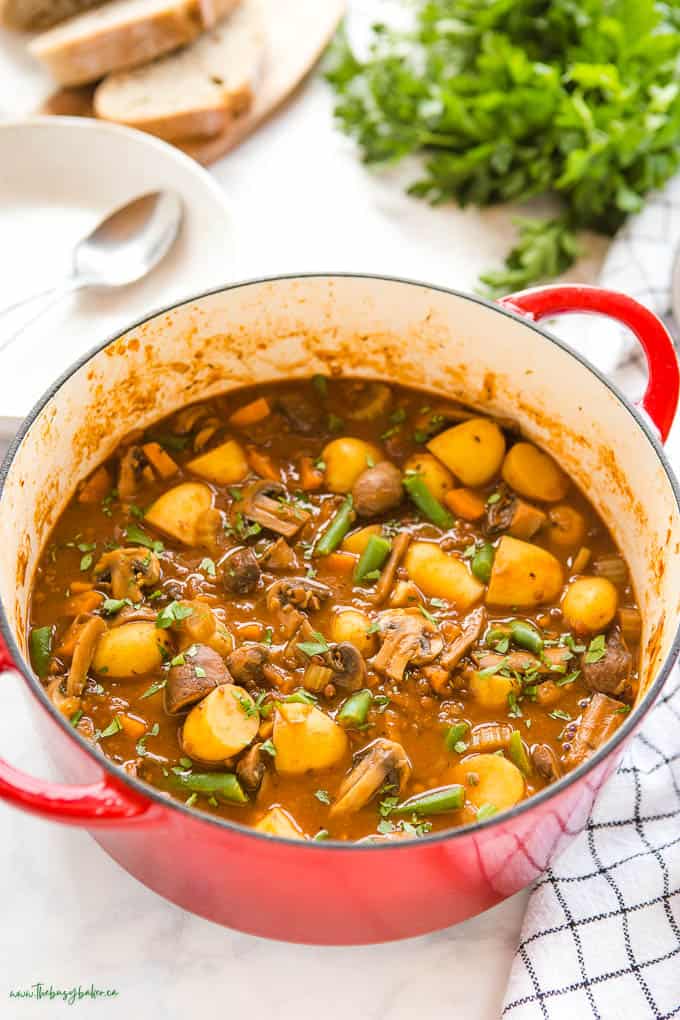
(58, 178)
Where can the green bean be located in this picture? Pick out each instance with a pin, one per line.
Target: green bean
(517, 753)
(433, 802)
(355, 709)
(456, 734)
(224, 785)
(372, 558)
(485, 811)
(337, 529)
(526, 636)
(482, 562)
(426, 502)
(40, 644)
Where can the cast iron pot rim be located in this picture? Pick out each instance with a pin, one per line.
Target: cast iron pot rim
(149, 792)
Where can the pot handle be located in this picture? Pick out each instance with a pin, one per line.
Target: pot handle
(103, 803)
(660, 400)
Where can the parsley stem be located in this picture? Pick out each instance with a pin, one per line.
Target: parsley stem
(426, 502)
(372, 558)
(337, 529)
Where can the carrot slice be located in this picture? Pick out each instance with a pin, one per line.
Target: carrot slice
(85, 602)
(465, 504)
(250, 631)
(160, 461)
(340, 562)
(262, 464)
(78, 587)
(132, 727)
(310, 476)
(251, 413)
(96, 487)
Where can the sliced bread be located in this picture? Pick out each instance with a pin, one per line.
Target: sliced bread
(195, 92)
(35, 15)
(122, 34)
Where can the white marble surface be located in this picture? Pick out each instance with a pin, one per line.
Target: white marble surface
(300, 201)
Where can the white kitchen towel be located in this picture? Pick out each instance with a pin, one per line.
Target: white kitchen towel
(601, 936)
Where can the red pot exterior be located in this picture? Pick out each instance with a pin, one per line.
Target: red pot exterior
(328, 893)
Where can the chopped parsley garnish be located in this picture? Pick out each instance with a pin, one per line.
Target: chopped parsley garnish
(597, 649)
(112, 606)
(207, 566)
(115, 726)
(268, 748)
(86, 561)
(134, 533)
(141, 743)
(173, 613)
(319, 646)
(155, 687)
(558, 713)
(428, 616)
(323, 796)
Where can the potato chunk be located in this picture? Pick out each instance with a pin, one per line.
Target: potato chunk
(473, 450)
(178, 511)
(225, 465)
(278, 822)
(589, 604)
(352, 625)
(345, 459)
(442, 575)
(306, 739)
(132, 649)
(534, 474)
(221, 725)
(492, 691)
(437, 478)
(523, 575)
(490, 779)
(357, 541)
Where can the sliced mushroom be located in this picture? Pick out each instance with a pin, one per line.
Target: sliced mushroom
(610, 673)
(383, 763)
(407, 638)
(348, 666)
(275, 514)
(90, 631)
(289, 597)
(65, 703)
(389, 571)
(134, 471)
(251, 768)
(473, 626)
(599, 722)
(246, 665)
(280, 556)
(187, 419)
(132, 614)
(194, 675)
(129, 571)
(368, 400)
(377, 489)
(546, 763)
(241, 573)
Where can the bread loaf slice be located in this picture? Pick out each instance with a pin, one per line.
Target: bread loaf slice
(122, 34)
(195, 92)
(35, 15)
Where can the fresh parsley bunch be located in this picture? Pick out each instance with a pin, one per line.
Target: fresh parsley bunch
(510, 99)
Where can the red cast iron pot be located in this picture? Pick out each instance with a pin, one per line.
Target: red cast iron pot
(493, 356)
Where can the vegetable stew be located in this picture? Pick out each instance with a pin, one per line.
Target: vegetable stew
(336, 609)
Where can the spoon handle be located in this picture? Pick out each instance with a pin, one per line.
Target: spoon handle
(33, 308)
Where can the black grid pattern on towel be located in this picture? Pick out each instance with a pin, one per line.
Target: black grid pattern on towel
(601, 937)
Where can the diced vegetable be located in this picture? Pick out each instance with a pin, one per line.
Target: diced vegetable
(441, 575)
(250, 413)
(306, 739)
(337, 529)
(589, 604)
(278, 822)
(160, 461)
(491, 779)
(133, 649)
(426, 502)
(311, 476)
(222, 785)
(518, 753)
(40, 647)
(433, 802)
(631, 625)
(372, 558)
(613, 568)
(526, 636)
(581, 560)
(357, 541)
(465, 503)
(345, 459)
(492, 691)
(220, 725)
(96, 487)
(567, 526)
(354, 626)
(523, 575)
(225, 465)
(316, 677)
(473, 450)
(261, 464)
(436, 477)
(482, 562)
(178, 511)
(354, 711)
(534, 474)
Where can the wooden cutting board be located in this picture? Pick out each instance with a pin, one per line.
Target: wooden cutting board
(297, 34)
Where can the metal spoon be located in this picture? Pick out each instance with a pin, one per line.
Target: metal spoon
(125, 246)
